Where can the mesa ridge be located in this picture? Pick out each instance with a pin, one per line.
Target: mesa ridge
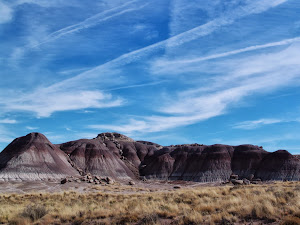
(113, 155)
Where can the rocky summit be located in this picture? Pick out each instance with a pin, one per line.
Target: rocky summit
(118, 157)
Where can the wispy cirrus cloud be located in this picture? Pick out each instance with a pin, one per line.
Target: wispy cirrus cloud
(31, 128)
(253, 124)
(179, 111)
(8, 121)
(137, 85)
(94, 20)
(245, 77)
(252, 7)
(44, 102)
(178, 65)
(40, 38)
(6, 13)
(7, 9)
(52, 99)
(6, 135)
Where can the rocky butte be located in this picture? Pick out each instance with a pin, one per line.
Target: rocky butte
(113, 155)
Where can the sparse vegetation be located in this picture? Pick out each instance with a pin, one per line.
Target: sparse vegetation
(266, 203)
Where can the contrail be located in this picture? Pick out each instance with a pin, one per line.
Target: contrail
(234, 52)
(92, 21)
(136, 85)
(174, 41)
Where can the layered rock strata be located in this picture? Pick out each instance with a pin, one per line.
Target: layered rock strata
(121, 158)
(34, 157)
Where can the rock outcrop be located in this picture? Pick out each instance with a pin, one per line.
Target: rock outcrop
(34, 157)
(119, 157)
(217, 162)
(92, 156)
(279, 165)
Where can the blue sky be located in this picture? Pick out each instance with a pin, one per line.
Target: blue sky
(168, 71)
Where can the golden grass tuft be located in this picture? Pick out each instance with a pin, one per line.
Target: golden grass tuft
(278, 202)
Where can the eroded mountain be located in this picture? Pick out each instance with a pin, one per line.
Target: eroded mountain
(120, 157)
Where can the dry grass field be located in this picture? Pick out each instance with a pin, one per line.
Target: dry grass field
(277, 203)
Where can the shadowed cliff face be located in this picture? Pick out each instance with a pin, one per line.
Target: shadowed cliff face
(33, 157)
(120, 157)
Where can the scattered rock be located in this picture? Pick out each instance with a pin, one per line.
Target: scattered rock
(109, 180)
(63, 181)
(246, 181)
(131, 183)
(251, 176)
(257, 179)
(234, 177)
(226, 182)
(97, 178)
(88, 176)
(237, 182)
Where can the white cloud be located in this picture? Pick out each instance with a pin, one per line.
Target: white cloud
(137, 85)
(31, 128)
(94, 20)
(166, 66)
(6, 136)
(251, 7)
(7, 10)
(155, 123)
(262, 73)
(6, 13)
(8, 121)
(45, 102)
(252, 124)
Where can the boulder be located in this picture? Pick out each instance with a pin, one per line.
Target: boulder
(257, 179)
(234, 177)
(63, 181)
(109, 180)
(251, 176)
(237, 182)
(97, 178)
(131, 183)
(246, 181)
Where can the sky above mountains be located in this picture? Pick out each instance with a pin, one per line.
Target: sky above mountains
(167, 71)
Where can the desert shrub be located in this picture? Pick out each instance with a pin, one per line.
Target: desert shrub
(291, 220)
(34, 212)
(149, 219)
(20, 221)
(127, 219)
